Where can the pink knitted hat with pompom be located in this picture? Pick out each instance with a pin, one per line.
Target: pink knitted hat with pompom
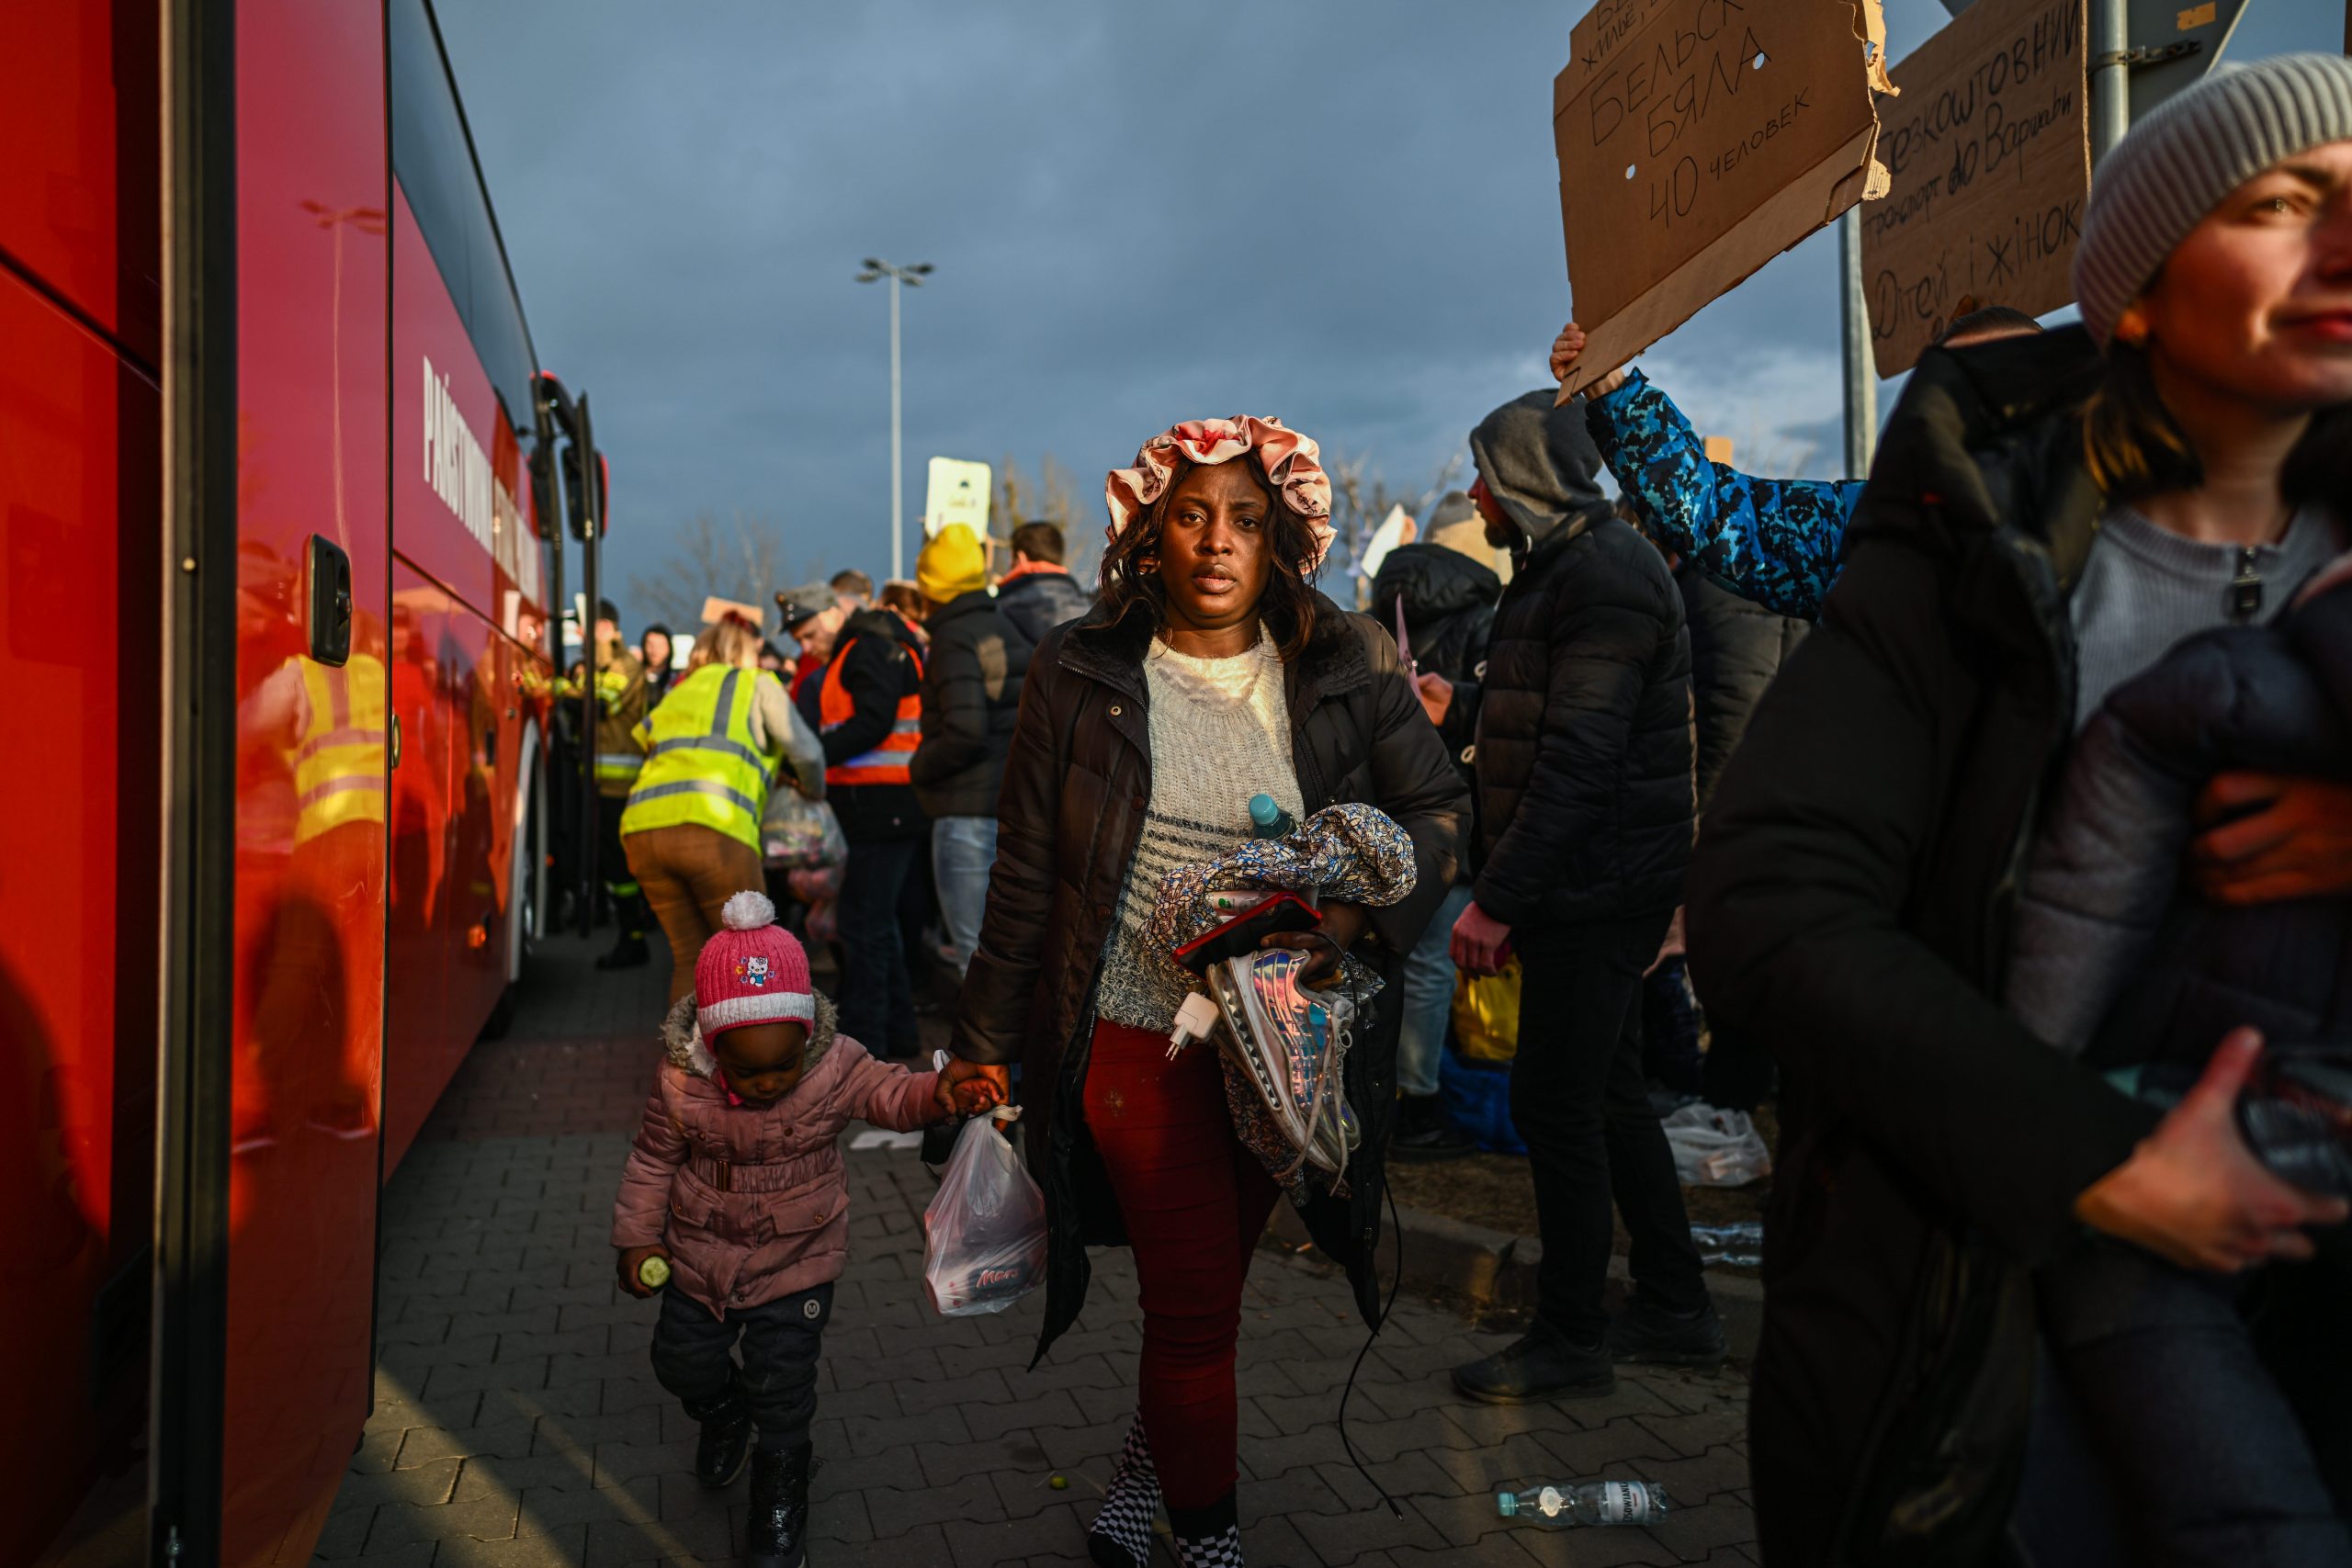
(752, 972)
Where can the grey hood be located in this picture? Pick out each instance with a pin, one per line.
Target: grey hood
(1540, 463)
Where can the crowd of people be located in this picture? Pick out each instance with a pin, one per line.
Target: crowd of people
(2003, 799)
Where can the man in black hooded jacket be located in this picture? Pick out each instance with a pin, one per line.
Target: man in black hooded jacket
(1583, 735)
(1441, 602)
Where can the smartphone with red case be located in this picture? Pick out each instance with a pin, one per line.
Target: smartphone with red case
(1276, 912)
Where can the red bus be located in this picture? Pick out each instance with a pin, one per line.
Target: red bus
(277, 584)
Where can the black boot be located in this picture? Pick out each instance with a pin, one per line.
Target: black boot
(629, 952)
(726, 1435)
(1423, 1133)
(779, 1517)
(1647, 1332)
(1542, 1364)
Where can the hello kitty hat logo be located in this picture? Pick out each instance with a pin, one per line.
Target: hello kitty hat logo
(753, 971)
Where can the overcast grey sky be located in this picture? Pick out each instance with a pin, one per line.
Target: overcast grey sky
(1343, 212)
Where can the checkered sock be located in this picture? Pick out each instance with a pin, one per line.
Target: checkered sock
(1220, 1549)
(1207, 1537)
(1120, 1536)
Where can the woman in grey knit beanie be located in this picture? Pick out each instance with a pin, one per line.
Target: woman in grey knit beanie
(2048, 517)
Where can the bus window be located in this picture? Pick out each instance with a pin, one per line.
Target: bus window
(433, 158)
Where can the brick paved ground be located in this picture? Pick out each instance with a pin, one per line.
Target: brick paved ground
(517, 1422)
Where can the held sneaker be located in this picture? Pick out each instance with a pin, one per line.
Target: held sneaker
(1543, 1364)
(1650, 1334)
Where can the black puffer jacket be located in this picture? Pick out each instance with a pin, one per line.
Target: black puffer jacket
(1584, 720)
(971, 692)
(1448, 606)
(1037, 602)
(1449, 611)
(2111, 959)
(879, 662)
(1851, 910)
(1076, 788)
(1736, 647)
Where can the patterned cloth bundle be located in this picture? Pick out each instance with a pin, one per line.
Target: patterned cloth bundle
(1285, 1048)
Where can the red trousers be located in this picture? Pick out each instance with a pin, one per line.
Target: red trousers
(1195, 1203)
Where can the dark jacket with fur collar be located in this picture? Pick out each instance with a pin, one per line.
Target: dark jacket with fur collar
(1076, 786)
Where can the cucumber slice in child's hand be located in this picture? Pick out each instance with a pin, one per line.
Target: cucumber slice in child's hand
(654, 1272)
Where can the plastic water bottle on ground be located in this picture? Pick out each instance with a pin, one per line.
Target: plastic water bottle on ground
(1590, 1503)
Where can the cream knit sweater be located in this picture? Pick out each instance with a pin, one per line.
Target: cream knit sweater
(1220, 733)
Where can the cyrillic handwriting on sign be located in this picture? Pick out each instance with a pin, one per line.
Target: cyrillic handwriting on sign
(1990, 153)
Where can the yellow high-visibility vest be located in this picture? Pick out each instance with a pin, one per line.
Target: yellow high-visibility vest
(339, 768)
(700, 764)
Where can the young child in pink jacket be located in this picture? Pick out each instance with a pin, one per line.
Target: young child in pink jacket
(736, 1184)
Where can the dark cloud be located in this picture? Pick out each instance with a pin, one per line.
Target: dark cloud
(1345, 214)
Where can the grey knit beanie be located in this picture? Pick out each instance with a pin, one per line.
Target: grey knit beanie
(2176, 165)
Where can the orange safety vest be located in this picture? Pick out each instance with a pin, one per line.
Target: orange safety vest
(889, 762)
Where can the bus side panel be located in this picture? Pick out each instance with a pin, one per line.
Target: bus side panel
(78, 614)
(313, 754)
(483, 791)
(417, 1052)
(464, 554)
(78, 194)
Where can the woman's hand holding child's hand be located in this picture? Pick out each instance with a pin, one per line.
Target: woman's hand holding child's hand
(971, 1088)
(2195, 1194)
(632, 1260)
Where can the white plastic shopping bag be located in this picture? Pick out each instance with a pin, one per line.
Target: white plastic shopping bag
(1717, 1148)
(984, 1234)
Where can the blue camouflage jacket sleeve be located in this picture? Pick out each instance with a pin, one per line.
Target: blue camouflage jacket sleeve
(1771, 541)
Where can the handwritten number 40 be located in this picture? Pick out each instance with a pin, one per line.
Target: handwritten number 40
(1674, 196)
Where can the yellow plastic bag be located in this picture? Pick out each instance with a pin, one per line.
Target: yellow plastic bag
(1486, 1014)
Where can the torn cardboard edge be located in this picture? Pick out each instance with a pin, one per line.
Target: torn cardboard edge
(1853, 174)
(1856, 176)
(714, 609)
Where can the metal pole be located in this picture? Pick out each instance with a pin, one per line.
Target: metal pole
(2110, 35)
(590, 845)
(1861, 371)
(898, 465)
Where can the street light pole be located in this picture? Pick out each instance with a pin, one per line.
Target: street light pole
(898, 455)
(912, 278)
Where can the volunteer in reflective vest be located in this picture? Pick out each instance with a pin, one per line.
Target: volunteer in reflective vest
(691, 829)
(339, 766)
(868, 712)
(623, 697)
(311, 841)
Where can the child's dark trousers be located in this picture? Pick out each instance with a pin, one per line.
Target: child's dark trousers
(692, 1358)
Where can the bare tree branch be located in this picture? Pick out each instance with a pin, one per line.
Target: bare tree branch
(741, 558)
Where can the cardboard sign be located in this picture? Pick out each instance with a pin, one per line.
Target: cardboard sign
(1990, 150)
(714, 609)
(1698, 139)
(958, 492)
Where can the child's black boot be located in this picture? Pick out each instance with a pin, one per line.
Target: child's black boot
(726, 1435)
(775, 1534)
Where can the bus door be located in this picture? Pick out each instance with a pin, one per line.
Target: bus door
(279, 740)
